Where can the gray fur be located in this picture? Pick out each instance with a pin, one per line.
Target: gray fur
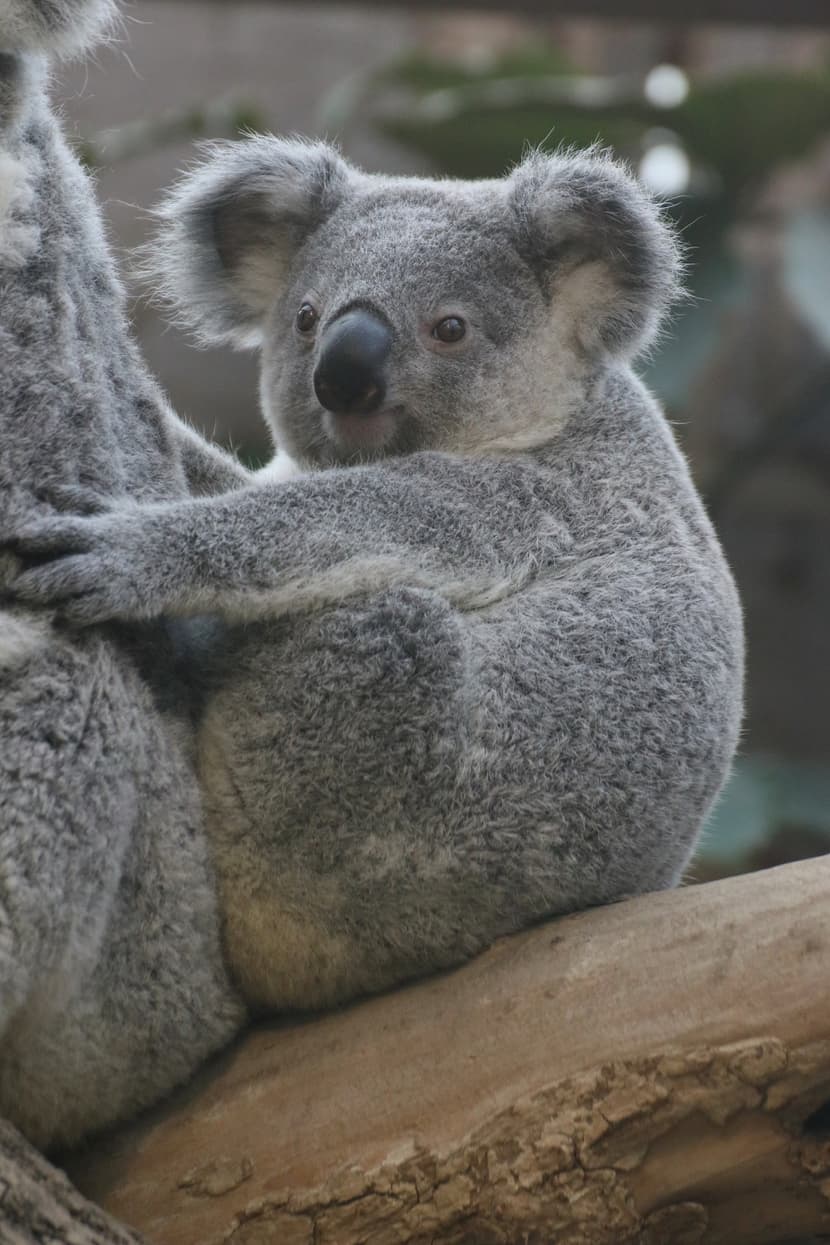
(482, 669)
(112, 983)
(60, 27)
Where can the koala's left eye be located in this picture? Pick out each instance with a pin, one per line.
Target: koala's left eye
(449, 330)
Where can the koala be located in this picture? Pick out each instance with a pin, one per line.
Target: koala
(113, 983)
(480, 662)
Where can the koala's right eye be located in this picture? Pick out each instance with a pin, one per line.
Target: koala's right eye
(307, 318)
(450, 330)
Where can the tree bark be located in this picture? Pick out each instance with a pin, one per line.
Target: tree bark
(656, 1072)
(38, 1205)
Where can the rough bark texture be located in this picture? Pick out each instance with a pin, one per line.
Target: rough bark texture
(653, 1072)
(38, 1205)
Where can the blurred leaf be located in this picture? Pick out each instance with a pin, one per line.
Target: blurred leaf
(489, 142)
(423, 73)
(745, 125)
(738, 127)
(807, 270)
(764, 794)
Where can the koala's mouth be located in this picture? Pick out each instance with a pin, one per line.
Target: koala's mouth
(363, 432)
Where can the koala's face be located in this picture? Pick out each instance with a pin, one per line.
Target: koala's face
(397, 314)
(403, 313)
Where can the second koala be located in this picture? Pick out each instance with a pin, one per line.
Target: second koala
(482, 661)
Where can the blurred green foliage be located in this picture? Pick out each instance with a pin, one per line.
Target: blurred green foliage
(772, 810)
(426, 74)
(746, 125)
(738, 128)
(484, 142)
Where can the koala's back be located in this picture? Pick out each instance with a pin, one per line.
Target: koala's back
(414, 779)
(112, 984)
(76, 402)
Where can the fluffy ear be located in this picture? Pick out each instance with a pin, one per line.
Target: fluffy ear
(231, 227)
(605, 254)
(61, 27)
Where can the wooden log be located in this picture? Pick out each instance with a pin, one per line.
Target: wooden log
(657, 1071)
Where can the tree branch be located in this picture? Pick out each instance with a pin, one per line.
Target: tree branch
(38, 1205)
(655, 1071)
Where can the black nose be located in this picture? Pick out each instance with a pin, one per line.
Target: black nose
(350, 377)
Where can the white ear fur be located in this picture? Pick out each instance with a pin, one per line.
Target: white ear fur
(608, 259)
(61, 27)
(231, 227)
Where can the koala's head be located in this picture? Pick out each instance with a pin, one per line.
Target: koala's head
(396, 314)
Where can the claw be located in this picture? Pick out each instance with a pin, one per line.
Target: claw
(56, 581)
(75, 499)
(49, 538)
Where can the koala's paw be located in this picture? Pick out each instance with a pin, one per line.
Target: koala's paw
(88, 569)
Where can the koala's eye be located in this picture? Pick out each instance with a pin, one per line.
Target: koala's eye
(452, 329)
(307, 318)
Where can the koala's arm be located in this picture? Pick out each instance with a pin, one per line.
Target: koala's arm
(208, 469)
(277, 548)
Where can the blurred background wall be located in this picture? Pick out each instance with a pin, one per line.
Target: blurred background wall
(731, 124)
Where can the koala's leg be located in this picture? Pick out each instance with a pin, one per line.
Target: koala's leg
(112, 982)
(207, 468)
(329, 757)
(63, 827)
